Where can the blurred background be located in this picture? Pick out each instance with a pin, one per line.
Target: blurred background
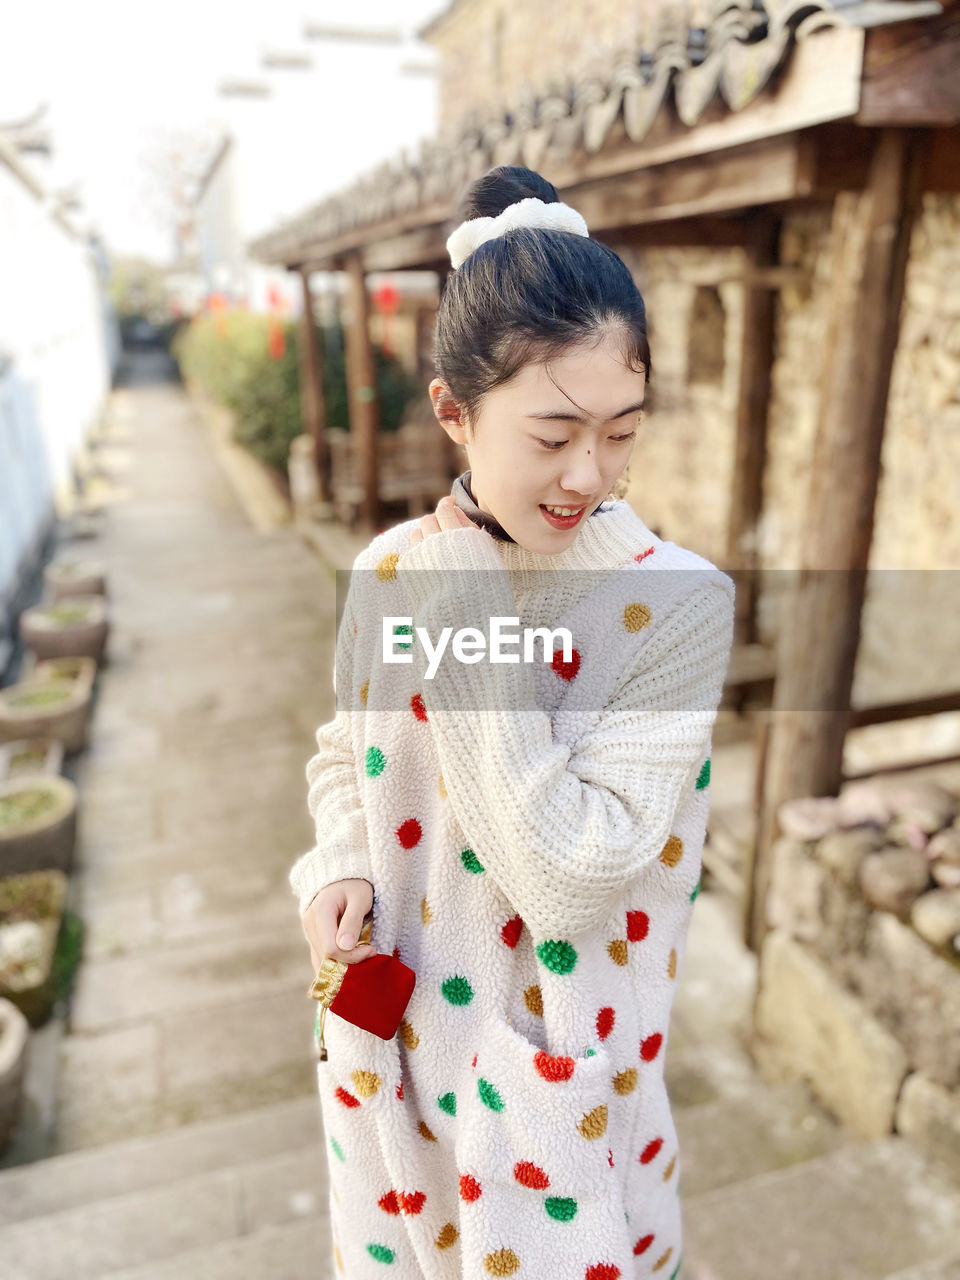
(222, 246)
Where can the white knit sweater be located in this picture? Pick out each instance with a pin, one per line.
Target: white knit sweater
(533, 834)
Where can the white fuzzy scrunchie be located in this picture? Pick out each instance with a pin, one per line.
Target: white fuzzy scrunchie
(530, 212)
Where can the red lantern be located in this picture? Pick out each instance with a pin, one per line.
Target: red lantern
(386, 299)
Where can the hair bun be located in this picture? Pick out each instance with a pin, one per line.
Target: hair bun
(500, 187)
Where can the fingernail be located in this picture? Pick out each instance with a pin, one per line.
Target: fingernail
(346, 941)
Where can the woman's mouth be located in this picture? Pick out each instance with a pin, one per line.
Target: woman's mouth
(561, 521)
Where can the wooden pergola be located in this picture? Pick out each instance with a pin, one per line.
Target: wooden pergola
(707, 138)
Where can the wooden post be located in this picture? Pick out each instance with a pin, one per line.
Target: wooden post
(819, 633)
(312, 400)
(363, 399)
(753, 398)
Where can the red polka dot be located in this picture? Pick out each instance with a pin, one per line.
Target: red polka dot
(602, 1271)
(388, 1203)
(566, 670)
(642, 555)
(530, 1175)
(511, 931)
(469, 1188)
(651, 1047)
(409, 833)
(605, 1020)
(551, 1068)
(412, 1201)
(400, 1090)
(642, 1245)
(651, 1150)
(419, 710)
(638, 923)
(347, 1099)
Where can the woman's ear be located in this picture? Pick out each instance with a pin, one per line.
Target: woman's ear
(448, 411)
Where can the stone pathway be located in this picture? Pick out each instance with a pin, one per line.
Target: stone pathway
(187, 1140)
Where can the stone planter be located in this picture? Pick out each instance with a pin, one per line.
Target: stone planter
(79, 670)
(67, 628)
(30, 756)
(66, 578)
(46, 708)
(38, 824)
(14, 1031)
(31, 911)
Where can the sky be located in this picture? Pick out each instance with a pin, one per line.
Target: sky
(118, 78)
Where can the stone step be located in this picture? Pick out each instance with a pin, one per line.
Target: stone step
(294, 1251)
(94, 1240)
(865, 1211)
(67, 1182)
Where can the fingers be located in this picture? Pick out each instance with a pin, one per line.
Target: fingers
(447, 516)
(324, 936)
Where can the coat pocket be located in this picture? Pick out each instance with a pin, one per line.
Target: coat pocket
(362, 1070)
(536, 1121)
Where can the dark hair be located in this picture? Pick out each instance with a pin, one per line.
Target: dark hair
(528, 295)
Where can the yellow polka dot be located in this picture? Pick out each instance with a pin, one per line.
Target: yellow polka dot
(426, 915)
(672, 851)
(636, 616)
(442, 785)
(408, 1035)
(448, 1236)
(625, 1081)
(364, 691)
(339, 1259)
(533, 999)
(426, 1132)
(670, 1168)
(502, 1263)
(366, 1083)
(662, 1261)
(387, 568)
(617, 950)
(672, 964)
(594, 1123)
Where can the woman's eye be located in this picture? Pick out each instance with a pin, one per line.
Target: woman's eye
(558, 444)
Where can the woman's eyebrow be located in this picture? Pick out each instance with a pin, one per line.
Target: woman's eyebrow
(575, 417)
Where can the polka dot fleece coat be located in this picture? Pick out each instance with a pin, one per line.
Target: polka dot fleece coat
(533, 832)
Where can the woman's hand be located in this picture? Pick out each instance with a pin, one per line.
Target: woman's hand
(335, 915)
(447, 516)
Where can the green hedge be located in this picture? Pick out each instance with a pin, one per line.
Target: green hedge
(229, 356)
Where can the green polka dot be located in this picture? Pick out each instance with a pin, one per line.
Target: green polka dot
(676, 1270)
(703, 780)
(457, 990)
(557, 956)
(561, 1208)
(380, 1253)
(696, 890)
(405, 631)
(336, 1149)
(489, 1095)
(375, 762)
(448, 1103)
(469, 860)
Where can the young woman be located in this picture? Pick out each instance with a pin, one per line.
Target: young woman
(531, 826)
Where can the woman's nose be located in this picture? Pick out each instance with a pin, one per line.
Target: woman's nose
(582, 476)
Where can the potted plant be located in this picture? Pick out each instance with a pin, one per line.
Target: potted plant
(30, 755)
(31, 911)
(65, 628)
(38, 823)
(46, 708)
(65, 578)
(13, 1053)
(77, 668)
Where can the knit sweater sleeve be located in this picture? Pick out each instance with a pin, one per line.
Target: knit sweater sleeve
(563, 830)
(341, 849)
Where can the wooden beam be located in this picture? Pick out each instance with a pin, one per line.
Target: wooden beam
(313, 405)
(363, 398)
(819, 633)
(911, 73)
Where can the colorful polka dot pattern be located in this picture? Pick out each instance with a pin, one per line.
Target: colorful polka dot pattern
(558, 958)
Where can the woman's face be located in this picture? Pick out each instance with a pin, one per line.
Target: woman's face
(550, 441)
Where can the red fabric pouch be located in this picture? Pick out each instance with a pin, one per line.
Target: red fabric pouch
(373, 994)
